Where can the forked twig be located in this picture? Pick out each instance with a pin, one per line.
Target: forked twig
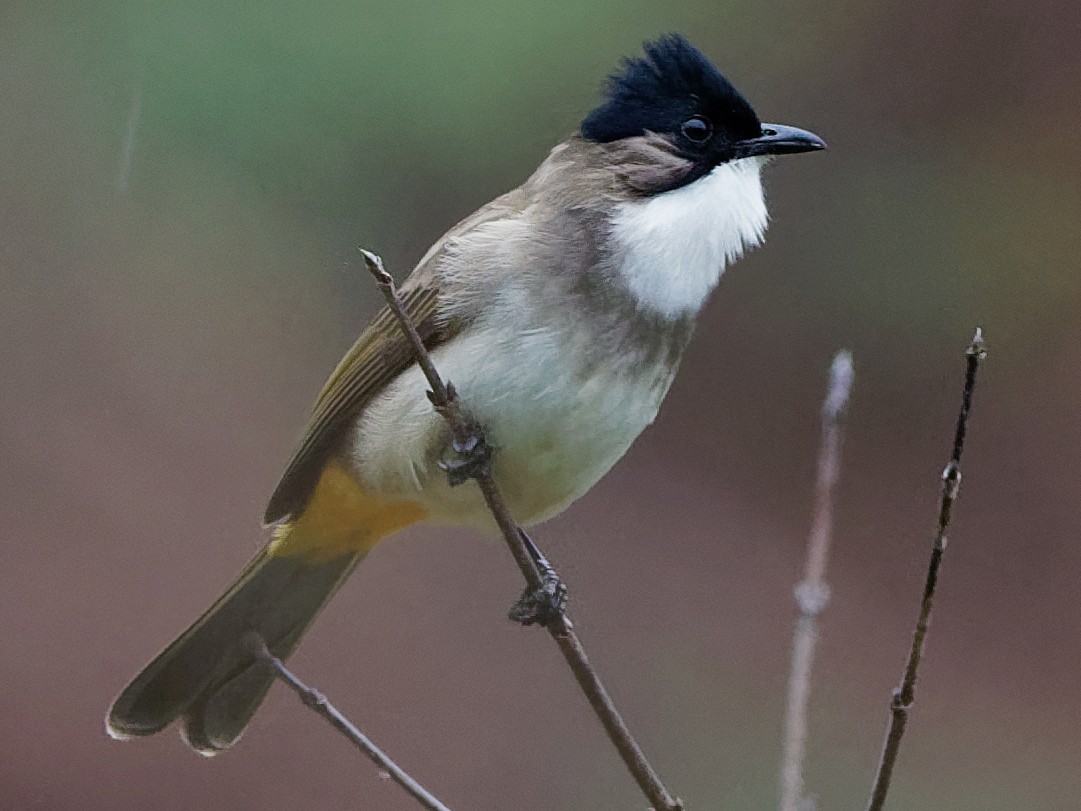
(812, 593)
(316, 701)
(904, 695)
(464, 430)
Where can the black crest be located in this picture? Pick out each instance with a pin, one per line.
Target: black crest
(673, 90)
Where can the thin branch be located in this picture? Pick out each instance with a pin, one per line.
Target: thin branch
(444, 399)
(317, 701)
(465, 431)
(127, 148)
(813, 593)
(905, 695)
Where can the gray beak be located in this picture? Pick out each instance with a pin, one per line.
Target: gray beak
(777, 139)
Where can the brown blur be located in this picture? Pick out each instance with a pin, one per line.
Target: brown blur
(181, 190)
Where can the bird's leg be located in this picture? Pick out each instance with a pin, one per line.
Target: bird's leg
(537, 606)
(540, 606)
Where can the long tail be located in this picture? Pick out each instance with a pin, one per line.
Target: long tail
(207, 677)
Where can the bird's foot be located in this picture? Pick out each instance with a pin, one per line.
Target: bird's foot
(544, 605)
(541, 606)
(473, 458)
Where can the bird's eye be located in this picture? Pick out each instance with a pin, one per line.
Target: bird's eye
(697, 128)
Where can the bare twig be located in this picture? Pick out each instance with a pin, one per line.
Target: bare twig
(905, 695)
(318, 702)
(127, 149)
(813, 593)
(464, 431)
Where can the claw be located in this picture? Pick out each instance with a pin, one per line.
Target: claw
(541, 606)
(474, 459)
(544, 605)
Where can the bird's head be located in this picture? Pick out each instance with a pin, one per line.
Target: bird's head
(674, 93)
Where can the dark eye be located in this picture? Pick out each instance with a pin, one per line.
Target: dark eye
(698, 129)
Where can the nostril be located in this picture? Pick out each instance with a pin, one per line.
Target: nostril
(767, 131)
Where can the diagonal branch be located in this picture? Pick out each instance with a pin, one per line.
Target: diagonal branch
(813, 593)
(905, 695)
(465, 433)
(318, 702)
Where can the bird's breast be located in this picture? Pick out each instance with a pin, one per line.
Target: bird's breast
(558, 417)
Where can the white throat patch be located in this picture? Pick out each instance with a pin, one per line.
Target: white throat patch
(678, 243)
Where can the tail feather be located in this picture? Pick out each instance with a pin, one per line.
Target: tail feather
(207, 676)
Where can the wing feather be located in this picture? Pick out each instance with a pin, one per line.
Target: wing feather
(379, 355)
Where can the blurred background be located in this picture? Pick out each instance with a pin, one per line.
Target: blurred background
(182, 187)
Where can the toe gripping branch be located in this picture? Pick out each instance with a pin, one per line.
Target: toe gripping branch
(473, 458)
(540, 606)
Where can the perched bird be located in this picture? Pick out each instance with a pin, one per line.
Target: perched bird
(560, 310)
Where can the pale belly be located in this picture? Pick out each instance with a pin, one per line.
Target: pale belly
(557, 427)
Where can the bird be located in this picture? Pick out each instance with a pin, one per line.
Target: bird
(560, 310)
